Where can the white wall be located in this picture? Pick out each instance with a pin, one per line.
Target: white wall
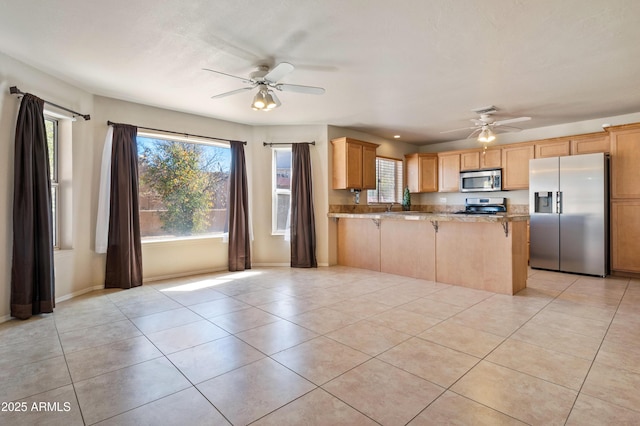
(77, 268)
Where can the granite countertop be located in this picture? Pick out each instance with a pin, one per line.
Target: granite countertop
(440, 217)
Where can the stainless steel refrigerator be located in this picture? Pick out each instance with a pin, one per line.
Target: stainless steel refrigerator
(569, 211)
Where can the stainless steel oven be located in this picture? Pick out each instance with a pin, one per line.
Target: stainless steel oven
(481, 180)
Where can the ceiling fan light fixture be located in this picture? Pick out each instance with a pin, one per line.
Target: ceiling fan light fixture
(264, 100)
(486, 135)
(270, 103)
(259, 101)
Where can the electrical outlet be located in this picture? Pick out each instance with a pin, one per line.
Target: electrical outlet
(443, 200)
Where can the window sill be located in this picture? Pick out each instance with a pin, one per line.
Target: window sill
(62, 253)
(181, 240)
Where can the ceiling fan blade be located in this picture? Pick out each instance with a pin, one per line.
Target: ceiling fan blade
(233, 92)
(282, 69)
(505, 129)
(300, 89)
(510, 120)
(459, 130)
(228, 75)
(474, 133)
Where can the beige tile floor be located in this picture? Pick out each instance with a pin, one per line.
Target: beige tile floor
(328, 346)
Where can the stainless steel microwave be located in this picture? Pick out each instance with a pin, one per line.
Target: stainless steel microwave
(481, 180)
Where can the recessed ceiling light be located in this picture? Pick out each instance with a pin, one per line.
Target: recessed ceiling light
(396, 136)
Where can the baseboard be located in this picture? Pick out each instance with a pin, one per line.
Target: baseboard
(271, 265)
(78, 293)
(185, 274)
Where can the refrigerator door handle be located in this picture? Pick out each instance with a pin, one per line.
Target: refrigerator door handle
(559, 202)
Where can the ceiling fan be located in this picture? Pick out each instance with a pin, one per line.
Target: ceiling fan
(486, 127)
(266, 80)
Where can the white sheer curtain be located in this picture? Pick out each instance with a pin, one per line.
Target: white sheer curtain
(102, 224)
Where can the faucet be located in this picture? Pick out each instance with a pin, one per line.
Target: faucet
(389, 207)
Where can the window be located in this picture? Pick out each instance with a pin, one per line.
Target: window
(183, 187)
(389, 182)
(281, 184)
(51, 128)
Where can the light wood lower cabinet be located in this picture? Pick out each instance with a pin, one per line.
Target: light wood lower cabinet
(408, 248)
(479, 255)
(471, 254)
(625, 236)
(359, 244)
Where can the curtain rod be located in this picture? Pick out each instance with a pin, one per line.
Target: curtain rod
(109, 123)
(286, 143)
(15, 91)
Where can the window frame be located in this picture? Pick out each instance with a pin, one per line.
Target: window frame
(398, 182)
(54, 174)
(170, 137)
(275, 191)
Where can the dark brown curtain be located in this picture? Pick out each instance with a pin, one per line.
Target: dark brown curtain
(303, 222)
(238, 211)
(124, 253)
(32, 277)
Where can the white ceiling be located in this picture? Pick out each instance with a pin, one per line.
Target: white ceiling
(408, 67)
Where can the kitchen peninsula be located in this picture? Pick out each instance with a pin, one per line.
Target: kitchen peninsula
(484, 252)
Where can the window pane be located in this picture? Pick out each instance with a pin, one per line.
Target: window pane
(389, 182)
(51, 127)
(54, 213)
(183, 187)
(283, 169)
(282, 210)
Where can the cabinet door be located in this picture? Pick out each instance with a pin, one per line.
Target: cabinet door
(515, 166)
(428, 172)
(470, 160)
(491, 159)
(553, 149)
(625, 163)
(590, 145)
(354, 165)
(368, 167)
(449, 173)
(625, 236)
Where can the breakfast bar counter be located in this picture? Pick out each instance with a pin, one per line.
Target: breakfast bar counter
(485, 252)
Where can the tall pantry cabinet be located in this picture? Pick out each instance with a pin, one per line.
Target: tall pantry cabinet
(625, 198)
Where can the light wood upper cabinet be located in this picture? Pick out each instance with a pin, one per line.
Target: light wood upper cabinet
(591, 144)
(491, 158)
(448, 172)
(625, 162)
(470, 160)
(515, 166)
(369, 166)
(481, 159)
(552, 148)
(422, 172)
(354, 164)
(625, 236)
